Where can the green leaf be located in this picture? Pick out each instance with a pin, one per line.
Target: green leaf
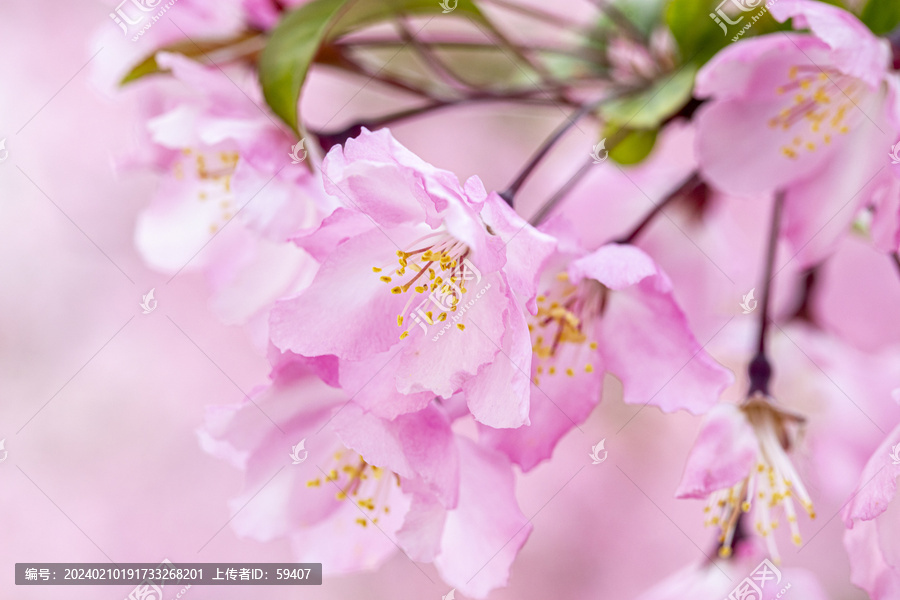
(297, 39)
(700, 37)
(697, 34)
(648, 109)
(198, 50)
(644, 14)
(881, 16)
(634, 147)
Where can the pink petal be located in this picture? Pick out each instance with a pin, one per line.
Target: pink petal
(498, 395)
(724, 453)
(419, 445)
(372, 384)
(877, 483)
(644, 336)
(617, 266)
(856, 50)
(335, 229)
(442, 359)
(420, 536)
(360, 548)
(820, 210)
(347, 310)
(756, 66)
(484, 534)
(557, 405)
(527, 249)
(867, 546)
(376, 174)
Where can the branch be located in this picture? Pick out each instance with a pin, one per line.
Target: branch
(562, 192)
(510, 192)
(760, 369)
(690, 184)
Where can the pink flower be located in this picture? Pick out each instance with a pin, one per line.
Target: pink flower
(805, 113)
(740, 465)
(423, 269)
(365, 486)
(873, 526)
(224, 158)
(608, 311)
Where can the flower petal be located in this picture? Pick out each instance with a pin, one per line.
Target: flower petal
(484, 534)
(724, 453)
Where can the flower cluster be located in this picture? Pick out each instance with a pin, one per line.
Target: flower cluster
(431, 344)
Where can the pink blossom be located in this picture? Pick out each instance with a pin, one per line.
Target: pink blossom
(804, 113)
(367, 486)
(739, 465)
(608, 311)
(418, 267)
(222, 157)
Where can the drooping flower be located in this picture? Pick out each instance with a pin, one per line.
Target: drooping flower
(807, 113)
(740, 465)
(608, 311)
(355, 487)
(418, 267)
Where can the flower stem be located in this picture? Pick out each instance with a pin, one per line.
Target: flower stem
(510, 192)
(760, 369)
(544, 17)
(689, 185)
(562, 192)
(327, 139)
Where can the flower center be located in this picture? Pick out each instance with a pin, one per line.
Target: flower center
(557, 331)
(212, 174)
(437, 263)
(366, 485)
(823, 99)
(773, 483)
